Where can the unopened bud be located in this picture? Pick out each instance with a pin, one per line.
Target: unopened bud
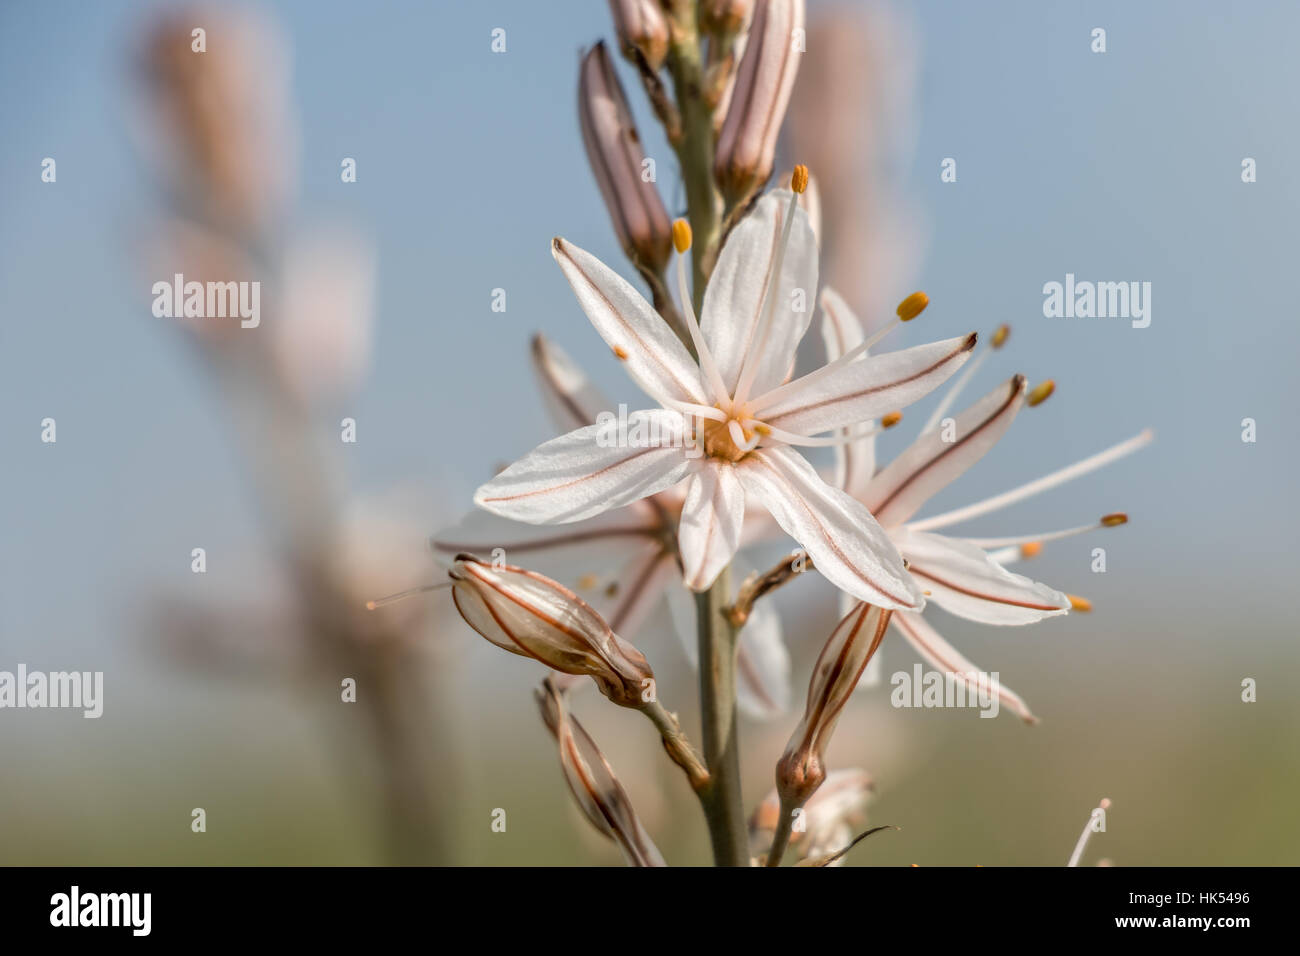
(527, 614)
(591, 779)
(757, 104)
(618, 162)
(641, 28)
(848, 650)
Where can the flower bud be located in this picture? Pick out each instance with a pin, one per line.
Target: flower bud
(848, 650)
(527, 614)
(830, 817)
(641, 28)
(591, 779)
(617, 160)
(756, 106)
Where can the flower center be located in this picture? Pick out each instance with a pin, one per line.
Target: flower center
(719, 443)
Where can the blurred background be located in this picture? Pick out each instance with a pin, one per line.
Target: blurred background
(222, 689)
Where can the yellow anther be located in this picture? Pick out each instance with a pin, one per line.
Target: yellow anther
(620, 353)
(764, 430)
(1041, 392)
(587, 582)
(1000, 336)
(681, 235)
(1031, 549)
(1083, 605)
(912, 306)
(1114, 520)
(890, 420)
(799, 179)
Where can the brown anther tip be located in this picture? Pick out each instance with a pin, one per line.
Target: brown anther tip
(1042, 391)
(681, 235)
(620, 353)
(799, 179)
(913, 306)
(1114, 520)
(1000, 336)
(1082, 605)
(890, 420)
(1031, 549)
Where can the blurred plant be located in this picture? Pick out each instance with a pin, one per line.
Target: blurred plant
(217, 126)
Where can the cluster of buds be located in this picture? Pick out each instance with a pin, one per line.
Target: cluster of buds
(530, 615)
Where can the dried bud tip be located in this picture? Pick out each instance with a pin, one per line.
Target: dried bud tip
(1114, 520)
(1000, 336)
(1041, 392)
(799, 179)
(681, 235)
(1031, 549)
(912, 306)
(1082, 605)
(890, 420)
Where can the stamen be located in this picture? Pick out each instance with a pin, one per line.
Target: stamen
(890, 420)
(799, 179)
(1031, 549)
(402, 595)
(1040, 393)
(738, 437)
(682, 240)
(749, 368)
(1068, 473)
(696, 411)
(1109, 521)
(1082, 605)
(1000, 336)
(620, 353)
(793, 438)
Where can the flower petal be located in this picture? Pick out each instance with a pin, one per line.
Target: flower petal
(845, 543)
(610, 536)
(574, 476)
(930, 463)
(570, 398)
(733, 301)
(861, 391)
(964, 580)
(942, 656)
(712, 517)
(855, 460)
(654, 356)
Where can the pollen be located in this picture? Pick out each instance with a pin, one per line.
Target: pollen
(681, 235)
(799, 179)
(1114, 520)
(912, 306)
(1031, 549)
(1041, 392)
(620, 353)
(1000, 336)
(890, 420)
(1082, 605)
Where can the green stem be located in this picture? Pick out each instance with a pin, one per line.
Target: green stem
(723, 804)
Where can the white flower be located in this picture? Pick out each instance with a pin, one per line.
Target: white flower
(964, 576)
(742, 418)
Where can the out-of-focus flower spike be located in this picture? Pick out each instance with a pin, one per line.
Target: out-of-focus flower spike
(617, 161)
(757, 104)
(591, 779)
(528, 614)
(642, 28)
